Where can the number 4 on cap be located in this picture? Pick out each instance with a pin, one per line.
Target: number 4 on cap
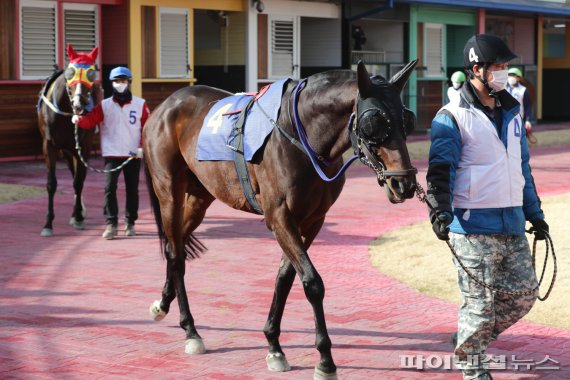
(472, 56)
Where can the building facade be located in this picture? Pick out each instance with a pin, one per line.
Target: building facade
(242, 45)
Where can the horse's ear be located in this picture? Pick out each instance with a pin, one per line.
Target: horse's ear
(71, 54)
(364, 82)
(399, 80)
(93, 55)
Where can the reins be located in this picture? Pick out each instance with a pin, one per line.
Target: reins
(54, 108)
(421, 195)
(51, 92)
(78, 148)
(361, 149)
(303, 138)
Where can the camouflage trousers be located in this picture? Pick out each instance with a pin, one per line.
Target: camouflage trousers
(501, 261)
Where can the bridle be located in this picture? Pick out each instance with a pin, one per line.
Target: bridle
(362, 145)
(82, 75)
(85, 97)
(53, 104)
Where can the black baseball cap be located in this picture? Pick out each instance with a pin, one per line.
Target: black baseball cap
(486, 48)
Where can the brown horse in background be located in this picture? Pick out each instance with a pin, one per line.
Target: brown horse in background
(293, 199)
(67, 93)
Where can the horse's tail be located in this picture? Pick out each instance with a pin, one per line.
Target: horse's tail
(192, 247)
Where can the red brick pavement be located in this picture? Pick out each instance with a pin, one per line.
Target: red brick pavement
(75, 305)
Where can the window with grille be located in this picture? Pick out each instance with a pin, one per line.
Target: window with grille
(282, 36)
(434, 58)
(38, 43)
(80, 27)
(174, 53)
(283, 53)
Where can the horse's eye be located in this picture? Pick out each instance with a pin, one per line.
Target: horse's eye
(409, 121)
(69, 73)
(90, 75)
(374, 126)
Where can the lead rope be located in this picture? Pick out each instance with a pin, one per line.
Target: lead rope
(78, 148)
(421, 195)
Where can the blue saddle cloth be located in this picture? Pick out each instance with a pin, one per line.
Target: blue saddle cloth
(216, 133)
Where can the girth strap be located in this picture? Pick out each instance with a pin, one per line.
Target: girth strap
(237, 145)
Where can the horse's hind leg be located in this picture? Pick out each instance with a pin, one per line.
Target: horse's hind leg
(276, 360)
(194, 213)
(51, 186)
(190, 196)
(79, 172)
(286, 232)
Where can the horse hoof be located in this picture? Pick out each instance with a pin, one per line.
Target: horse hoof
(83, 208)
(194, 346)
(46, 232)
(156, 312)
(77, 225)
(276, 362)
(320, 375)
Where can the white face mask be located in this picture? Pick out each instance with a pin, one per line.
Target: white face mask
(513, 81)
(120, 87)
(456, 85)
(499, 80)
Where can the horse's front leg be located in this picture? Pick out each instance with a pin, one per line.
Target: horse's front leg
(289, 238)
(51, 186)
(276, 360)
(78, 216)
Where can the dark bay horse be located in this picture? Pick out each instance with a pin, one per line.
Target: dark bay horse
(67, 93)
(294, 199)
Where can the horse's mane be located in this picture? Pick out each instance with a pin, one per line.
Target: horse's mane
(333, 76)
(344, 75)
(52, 78)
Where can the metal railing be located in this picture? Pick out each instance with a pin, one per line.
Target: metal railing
(368, 56)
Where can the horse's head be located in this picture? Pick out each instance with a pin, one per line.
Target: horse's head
(381, 125)
(80, 76)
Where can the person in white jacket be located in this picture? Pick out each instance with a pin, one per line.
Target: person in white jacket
(457, 80)
(481, 189)
(121, 118)
(521, 93)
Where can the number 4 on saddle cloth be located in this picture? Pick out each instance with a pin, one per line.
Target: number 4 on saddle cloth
(216, 139)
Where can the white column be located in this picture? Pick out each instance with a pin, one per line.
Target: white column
(251, 47)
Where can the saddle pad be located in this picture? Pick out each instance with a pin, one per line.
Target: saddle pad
(216, 132)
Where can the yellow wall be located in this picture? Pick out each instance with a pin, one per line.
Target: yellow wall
(236, 45)
(135, 37)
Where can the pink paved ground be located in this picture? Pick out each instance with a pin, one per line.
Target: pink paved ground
(74, 306)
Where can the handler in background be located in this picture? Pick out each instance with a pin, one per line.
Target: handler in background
(520, 93)
(482, 190)
(457, 81)
(122, 118)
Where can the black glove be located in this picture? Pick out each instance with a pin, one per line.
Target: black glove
(440, 224)
(539, 227)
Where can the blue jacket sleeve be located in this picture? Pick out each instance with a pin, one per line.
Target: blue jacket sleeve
(444, 155)
(531, 201)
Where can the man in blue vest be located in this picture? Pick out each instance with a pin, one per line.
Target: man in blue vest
(482, 191)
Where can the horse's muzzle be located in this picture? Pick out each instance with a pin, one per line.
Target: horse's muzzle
(400, 188)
